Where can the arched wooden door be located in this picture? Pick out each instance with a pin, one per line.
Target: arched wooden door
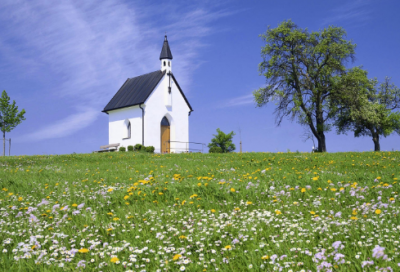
(165, 136)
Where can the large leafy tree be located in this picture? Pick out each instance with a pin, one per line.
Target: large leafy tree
(373, 112)
(10, 117)
(301, 68)
(222, 140)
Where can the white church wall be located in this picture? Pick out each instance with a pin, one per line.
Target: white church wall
(177, 114)
(117, 126)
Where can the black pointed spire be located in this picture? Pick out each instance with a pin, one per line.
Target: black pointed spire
(165, 51)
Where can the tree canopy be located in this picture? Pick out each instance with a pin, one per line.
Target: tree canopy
(10, 117)
(302, 70)
(371, 111)
(222, 140)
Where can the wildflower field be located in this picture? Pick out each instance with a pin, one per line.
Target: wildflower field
(128, 211)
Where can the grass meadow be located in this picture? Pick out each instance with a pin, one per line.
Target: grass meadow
(126, 211)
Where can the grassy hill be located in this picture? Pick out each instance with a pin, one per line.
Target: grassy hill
(200, 212)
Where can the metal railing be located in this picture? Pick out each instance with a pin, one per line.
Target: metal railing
(185, 148)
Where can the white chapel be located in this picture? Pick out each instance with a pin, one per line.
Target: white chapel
(151, 110)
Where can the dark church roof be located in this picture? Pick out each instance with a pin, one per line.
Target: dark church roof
(136, 90)
(165, 51)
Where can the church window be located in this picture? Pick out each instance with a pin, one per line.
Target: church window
(164, 63)
(127, 132)
(165, 122)
(169, 64)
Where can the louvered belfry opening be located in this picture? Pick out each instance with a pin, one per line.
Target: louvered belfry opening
(165, 135)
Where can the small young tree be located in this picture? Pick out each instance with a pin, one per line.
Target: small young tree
(222, 140)
(9, 116)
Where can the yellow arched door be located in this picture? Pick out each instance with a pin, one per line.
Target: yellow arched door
(165, 136)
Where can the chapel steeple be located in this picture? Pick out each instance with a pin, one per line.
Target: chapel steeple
(166, 56)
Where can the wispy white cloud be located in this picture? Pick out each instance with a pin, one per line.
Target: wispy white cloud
(62, 128)
(238, 101)
(354, 13)
(90, 47)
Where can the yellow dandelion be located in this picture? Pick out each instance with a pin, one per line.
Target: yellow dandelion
(266, 257)
(378, 211)
(114, 259)
(312, 212)
(110, 190)
(303, 190)
(213, 211)
(249, 202)
(315, 178)
(74, 205)
(228, 247)
(233, 190)
(278, 212)
(115, 218)
(176, 257)
(83, 250)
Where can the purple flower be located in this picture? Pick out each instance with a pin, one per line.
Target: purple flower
(364, 263)
(338, 214)
(56, 207)
(336, 244)
(80, 206)
(320, 256)
(338, 256)
(377, 252)
(235, 241)
(76, 212)
(33, 218)
(44, 202)
(324, 265)
(81, 263)
(273, 257)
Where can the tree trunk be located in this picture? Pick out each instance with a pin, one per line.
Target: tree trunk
(4, 143)
(321, 142)
(320, 132)
(375, 139)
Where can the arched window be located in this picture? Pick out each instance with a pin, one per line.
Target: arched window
(164, 63)
(128, 128)
(165, 122)
(169, 64)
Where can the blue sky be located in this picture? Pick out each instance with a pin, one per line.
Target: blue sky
(62, 61)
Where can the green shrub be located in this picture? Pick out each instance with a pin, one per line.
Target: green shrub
(122, 148)
(150, 149)
(138, 147)
(130, 147)
(215, 149)
(223, 141)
